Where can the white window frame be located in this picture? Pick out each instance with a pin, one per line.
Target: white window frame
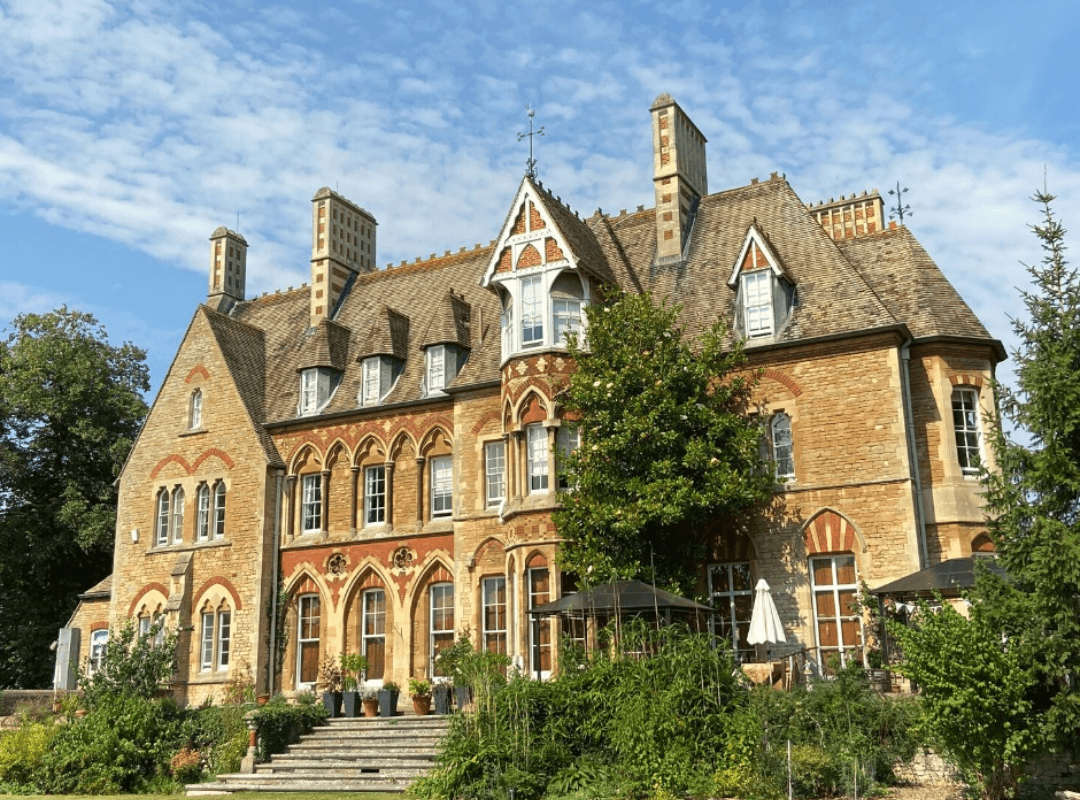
(442, 486)
(536, 457)
(758, 302)
(536, 599)
(374, 495)
(494, 472)
(846, 649)
(441, 627)
(195, 411)
(532, 311)
(967, 430)
(176, 523)
(783, 451)
(566, 318)
(311, 503)
(315, 390)
(218, 530)
(435, 369)
(202, 515)
(98, 640)
(304, 614)
(732, 607)
(507, 322)
(224, 639)
(161, 535)
(206, 642)
(371, 392)
(378, 627)
(498, 632)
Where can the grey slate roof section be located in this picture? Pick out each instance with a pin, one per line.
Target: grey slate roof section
(102, 590)
(873, 282)
(946, 578)
(327, 345)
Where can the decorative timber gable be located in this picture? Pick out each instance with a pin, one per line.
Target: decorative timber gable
(529, 238)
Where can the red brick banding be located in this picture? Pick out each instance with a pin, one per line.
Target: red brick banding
(198, 369)
(145, 590)
(217, 581)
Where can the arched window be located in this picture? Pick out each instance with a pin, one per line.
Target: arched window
(178, 515)
(219, 510)
(195, 411)
(202, 513)
(835, 587)
(567, 298)
(373, 632)
(307, 641)
(216, 639)
(98, 640)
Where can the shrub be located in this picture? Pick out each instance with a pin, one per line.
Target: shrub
(220, 735)
(186, 765)
(280, 724)
(22, 752)
(132, 664)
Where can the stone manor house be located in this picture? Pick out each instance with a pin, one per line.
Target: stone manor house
(384, 443)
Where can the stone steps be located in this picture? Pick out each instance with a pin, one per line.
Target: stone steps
(345, 755)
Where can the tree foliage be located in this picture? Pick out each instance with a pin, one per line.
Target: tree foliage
(132, 664)
(70, 407)
(667, 448)
(1034, 498)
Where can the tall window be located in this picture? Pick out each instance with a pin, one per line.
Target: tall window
(316, 387)
(375, 495)
(371, 389)
(178, 516)
(373, 632)
(195, 411)
(307, 641)
(757, 302)
(536, 442)
(495, 614)
(202, 513)
(224, 639)
(436, 368)
(965, 409)
(507, 328)
(836, 607)
(442, 622)
(566, 441)
(311, 504)
(98, 640)
(539, 645)
(532, 312)
(782, 454)
(161, 535)
(442, 486)
(219, 510)
(732, 596)
(495, 472)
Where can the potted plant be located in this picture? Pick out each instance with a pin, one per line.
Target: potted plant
(421, 696)
(441, 693)
(353, 665)
(449, 662)
(370, 698)
(388, 697)
(330, 679)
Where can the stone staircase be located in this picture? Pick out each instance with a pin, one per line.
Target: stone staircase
(345, 755)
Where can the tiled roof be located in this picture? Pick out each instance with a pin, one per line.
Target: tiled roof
(845, 287)
(99, 590)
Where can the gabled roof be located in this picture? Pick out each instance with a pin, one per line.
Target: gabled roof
(388, 335)
(327, 345)
(757, 242)
(451, 323)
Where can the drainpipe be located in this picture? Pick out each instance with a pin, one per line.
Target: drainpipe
(913, 454)
(274, 584)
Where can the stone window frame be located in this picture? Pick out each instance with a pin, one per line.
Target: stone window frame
(536, 458)
(567, 440)
(311, 490)
(202, 513)
(215, 638)
(839, 615)
(370, 506)
(442, 632)
(784, 465)
(162, 517)
(488, 634)
(304, 601)
(377, 635)
(218, 510)
(195, 409)
(441, 489)
(533, 599)
(494, 473)
(96, 652)
(177, 503)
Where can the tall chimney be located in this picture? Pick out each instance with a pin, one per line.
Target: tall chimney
(228, 269)
(342, 246)
(679, 175)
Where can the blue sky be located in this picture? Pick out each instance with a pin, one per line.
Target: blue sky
(130, 130)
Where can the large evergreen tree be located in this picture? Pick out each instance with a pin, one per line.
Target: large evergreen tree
(1034, 497)
(70, 407)
(667, 447)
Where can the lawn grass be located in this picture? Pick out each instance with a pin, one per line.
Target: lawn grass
(237, 795)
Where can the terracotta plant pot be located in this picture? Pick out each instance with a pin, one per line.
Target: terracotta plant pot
(422, 705)
(262, 699)
(371, 706)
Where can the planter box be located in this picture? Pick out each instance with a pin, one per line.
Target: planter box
(351, 704)
(332, 703)
(441, 697)
(387, 703)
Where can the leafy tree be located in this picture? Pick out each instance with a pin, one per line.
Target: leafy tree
(132, 664)
(666, 450)
(70, 407)
(1034, 497)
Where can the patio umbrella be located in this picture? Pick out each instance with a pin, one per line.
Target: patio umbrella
(765, 625)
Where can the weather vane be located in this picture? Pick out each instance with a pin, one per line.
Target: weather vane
(900, 210)
(530, 165)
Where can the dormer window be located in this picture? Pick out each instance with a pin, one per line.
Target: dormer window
(532, 312)
(757, 303)
(317, 386)
(442, 363)
(380, 374)
(566, 301)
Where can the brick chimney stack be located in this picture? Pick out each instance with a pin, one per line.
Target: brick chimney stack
(342, 246)
(679, 175)
(228, 269)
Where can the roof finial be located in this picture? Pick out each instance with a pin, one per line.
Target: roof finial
(900, 210)
(530, 165)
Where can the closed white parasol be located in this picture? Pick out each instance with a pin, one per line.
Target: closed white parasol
(765, 625)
